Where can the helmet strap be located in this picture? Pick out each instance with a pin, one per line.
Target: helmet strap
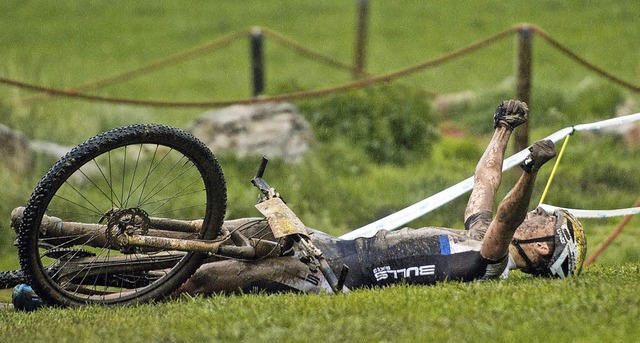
(538, 270)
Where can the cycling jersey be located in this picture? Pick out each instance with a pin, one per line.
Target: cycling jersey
(420, 256)
(413, 256)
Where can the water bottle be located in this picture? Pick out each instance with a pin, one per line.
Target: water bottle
(24, 298)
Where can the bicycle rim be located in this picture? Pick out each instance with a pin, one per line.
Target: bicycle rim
(134, 175)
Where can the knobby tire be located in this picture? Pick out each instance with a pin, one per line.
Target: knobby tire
(87, 183)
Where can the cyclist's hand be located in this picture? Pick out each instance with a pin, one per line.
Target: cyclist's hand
(511, 114)
(541, 152)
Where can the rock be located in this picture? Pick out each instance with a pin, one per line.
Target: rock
(49, 148)
(633, 137)
(443, 102)
(628, 106)
(270, 129)
(15, 150)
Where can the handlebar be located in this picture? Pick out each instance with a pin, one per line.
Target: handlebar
(335, 282)
(258, 181)
(262, 167)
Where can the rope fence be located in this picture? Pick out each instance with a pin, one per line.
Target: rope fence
(583, 62)
(284, 97)
(80, 92)
(299, 48)
(131, 74)
(412, 212)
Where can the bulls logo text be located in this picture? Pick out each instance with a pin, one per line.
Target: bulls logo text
(383, 273)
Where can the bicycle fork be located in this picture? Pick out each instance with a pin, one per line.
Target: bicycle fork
(284, 223)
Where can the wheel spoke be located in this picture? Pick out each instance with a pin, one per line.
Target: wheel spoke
(128, 175)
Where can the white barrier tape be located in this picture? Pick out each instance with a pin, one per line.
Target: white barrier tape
(618, 121)
(594, 213)
(397, 219)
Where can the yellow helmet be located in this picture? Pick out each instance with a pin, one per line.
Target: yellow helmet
(569, 251)
(570, 246)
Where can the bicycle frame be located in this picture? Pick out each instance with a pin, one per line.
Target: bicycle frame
(165, 234)
(179, 235)
(141, 187)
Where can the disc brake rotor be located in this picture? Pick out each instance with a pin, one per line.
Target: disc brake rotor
(129, 222)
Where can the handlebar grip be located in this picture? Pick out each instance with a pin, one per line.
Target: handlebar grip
(262, 167)
(258, 181)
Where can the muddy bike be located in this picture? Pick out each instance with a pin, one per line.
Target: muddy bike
(127, 216)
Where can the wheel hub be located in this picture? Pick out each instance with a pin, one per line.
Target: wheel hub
(125, 222)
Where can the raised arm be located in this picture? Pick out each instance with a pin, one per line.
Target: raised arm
(513, 208)
(488, 173)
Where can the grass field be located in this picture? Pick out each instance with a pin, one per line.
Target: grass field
(63, 44)
(68, 43)
(601, 306)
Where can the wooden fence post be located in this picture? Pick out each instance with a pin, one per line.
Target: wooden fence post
(361, 38)
(257, 61)
(523, 81)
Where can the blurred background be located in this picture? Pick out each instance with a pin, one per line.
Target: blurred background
(377, 148)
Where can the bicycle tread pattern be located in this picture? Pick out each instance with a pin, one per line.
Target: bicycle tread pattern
(203, 158)
(12, 278)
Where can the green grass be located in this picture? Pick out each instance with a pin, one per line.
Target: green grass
(66, 43)
(600, 306)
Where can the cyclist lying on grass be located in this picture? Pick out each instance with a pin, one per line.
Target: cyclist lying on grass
(534, 242)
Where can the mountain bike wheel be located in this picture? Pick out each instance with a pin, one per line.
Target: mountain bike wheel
(127, 175)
